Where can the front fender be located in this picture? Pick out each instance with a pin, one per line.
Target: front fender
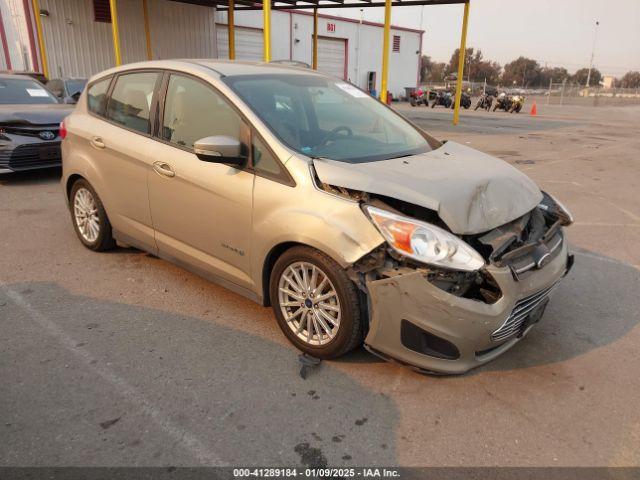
(303, 214)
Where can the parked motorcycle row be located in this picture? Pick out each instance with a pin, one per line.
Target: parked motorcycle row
(445, 98)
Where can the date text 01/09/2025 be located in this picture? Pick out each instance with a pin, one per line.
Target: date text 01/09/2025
(315, 472)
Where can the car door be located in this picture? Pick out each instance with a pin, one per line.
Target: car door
(201, 210)
(119, 149)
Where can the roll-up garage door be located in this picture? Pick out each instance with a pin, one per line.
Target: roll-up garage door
(249, 43)
(332, 56)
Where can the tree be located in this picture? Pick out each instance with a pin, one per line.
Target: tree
(431, 71)
(476, 68)
(486, 70)
(580, 77)
(556, 75)
(523, 71)
(630, 80)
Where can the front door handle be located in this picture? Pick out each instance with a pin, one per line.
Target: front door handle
(164, 169)
(97, 142)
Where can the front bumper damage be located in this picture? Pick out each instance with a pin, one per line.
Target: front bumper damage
(420, 325)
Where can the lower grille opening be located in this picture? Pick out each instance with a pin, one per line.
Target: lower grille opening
(421, 341)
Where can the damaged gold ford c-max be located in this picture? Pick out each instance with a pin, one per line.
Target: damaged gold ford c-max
(302, 192)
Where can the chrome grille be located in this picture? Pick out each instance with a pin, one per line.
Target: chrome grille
(517, 317)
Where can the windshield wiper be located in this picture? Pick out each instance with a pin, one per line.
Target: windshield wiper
(401, 156)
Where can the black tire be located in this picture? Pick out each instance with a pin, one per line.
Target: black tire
(350, 330)
(104, 240)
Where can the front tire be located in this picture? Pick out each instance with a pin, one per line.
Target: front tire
(89, 218)
(315, 303)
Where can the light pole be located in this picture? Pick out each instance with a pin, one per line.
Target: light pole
(420, 60)
(358, 48)
(593, 51)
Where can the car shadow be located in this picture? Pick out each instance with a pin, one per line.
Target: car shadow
(31, 177)
(106, 383)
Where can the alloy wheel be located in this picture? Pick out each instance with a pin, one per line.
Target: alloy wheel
(309, 303)
(85, 214)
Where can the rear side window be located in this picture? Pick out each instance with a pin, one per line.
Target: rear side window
(130, 100)
(97, 96)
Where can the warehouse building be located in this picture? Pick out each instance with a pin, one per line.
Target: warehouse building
(78, 42)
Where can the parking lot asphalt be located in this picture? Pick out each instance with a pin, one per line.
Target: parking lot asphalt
(123, 359)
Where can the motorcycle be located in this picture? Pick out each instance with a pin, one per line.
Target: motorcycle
(443, 98)
(419, 97)
(517, 102)
(484, 102)
(465, 101)
(503, 102)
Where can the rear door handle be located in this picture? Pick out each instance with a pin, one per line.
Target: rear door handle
(97, 142)
(164, 169)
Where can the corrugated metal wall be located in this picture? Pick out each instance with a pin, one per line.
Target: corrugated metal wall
(77, 46)
(179, 30)
(15, 27)
(4, 11)
(292, 37)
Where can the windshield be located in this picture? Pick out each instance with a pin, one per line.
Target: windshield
(322, 117)
(75, 86)
(24, 91)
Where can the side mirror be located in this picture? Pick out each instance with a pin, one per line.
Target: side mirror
(220, 149)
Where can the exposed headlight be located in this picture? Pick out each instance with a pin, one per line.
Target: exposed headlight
(553, 206)
(424, 242)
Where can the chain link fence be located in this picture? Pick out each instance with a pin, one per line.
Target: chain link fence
(557, 93)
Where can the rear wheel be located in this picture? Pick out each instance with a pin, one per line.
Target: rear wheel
(89, 217)
(315, 303)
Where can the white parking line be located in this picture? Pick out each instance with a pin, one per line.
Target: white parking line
(187, 440)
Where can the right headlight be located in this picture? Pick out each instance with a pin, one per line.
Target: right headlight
(554, 207)
(424, 242)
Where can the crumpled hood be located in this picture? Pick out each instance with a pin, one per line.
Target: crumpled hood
(45, 114)
(472, 192)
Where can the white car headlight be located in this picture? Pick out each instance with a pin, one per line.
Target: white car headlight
(424, 242)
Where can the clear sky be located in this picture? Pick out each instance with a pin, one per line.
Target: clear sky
(554, 32)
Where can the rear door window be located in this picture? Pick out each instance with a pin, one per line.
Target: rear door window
(97, 96)
(130, 101)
